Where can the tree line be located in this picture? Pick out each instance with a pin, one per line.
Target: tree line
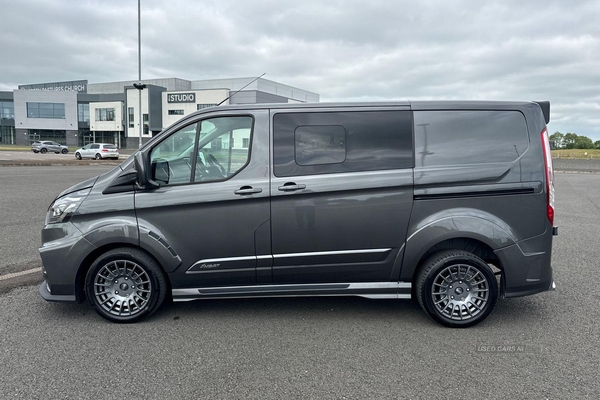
(573, 141)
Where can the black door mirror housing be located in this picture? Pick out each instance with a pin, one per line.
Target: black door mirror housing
(161, 171)
(140, 163)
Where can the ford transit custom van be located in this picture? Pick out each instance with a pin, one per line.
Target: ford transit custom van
(450, 204)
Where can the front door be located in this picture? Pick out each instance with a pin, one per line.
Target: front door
(214, 200)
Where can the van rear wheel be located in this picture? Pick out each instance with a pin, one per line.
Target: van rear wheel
(125, 285)
(456, 288)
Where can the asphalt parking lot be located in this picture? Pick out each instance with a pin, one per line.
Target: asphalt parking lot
(543, 346)
(29, 158)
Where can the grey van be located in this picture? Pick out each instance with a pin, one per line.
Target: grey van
(447, 203)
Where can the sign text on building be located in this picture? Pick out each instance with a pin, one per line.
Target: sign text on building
(69, 86)
(181, 98)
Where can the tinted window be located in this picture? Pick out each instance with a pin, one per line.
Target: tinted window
(468, 137)
(95, 146)
(204, 151)
(332, 142)
(318, 144)
(110, 146)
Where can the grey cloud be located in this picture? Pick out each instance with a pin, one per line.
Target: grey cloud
(344, 50)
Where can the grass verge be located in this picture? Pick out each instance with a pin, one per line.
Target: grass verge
(576, 153)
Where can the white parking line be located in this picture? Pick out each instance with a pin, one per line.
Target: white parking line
(15, 274)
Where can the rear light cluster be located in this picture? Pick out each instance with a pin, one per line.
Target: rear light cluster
(549, 176)
(106, 150)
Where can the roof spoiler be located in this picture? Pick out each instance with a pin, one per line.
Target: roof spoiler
(545, 105)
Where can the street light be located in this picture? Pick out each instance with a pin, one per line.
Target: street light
(140, 86)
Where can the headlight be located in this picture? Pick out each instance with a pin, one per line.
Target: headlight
(62, 209)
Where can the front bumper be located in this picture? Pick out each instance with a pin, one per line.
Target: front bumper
(63, 250)
(46, 295)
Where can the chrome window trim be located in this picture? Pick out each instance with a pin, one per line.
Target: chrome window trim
(266, 256)
(327, 253)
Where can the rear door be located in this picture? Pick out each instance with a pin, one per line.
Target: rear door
(341, 194)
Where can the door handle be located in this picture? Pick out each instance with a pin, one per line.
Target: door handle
(291, 187)
(247, 190)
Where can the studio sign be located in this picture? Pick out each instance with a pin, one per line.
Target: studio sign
(181, 98)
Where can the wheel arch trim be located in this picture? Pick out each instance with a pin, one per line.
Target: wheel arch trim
(434, 231)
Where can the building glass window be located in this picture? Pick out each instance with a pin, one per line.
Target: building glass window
(245, 143)
(201, 106)
(83, 112)
(105, 114)
(146, 125)
(7, 134)
(46, 110)
(58, 136)
(175, 112)
(131, 117)
(7, 110)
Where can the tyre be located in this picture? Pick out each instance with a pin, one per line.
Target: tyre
(98, 156)
(64, 151)
(43, 151)
(125, 285)
(456, 288)
(78, 156)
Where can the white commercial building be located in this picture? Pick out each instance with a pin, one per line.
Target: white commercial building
(76, 113)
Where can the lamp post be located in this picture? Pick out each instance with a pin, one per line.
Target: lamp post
(140, 86)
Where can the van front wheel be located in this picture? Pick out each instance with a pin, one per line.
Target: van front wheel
(457, 288)
(125, 285)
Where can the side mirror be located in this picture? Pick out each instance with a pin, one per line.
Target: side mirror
(161, 171)
(139, 163)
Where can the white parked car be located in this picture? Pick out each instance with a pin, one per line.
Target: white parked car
(98, 151)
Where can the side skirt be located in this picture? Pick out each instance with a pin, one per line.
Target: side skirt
(371, 290)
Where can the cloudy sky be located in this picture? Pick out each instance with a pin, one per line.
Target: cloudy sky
(344, 50)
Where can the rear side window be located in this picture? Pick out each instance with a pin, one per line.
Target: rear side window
(468, 137)
(333, 142)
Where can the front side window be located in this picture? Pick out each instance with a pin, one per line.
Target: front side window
(203, 152)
